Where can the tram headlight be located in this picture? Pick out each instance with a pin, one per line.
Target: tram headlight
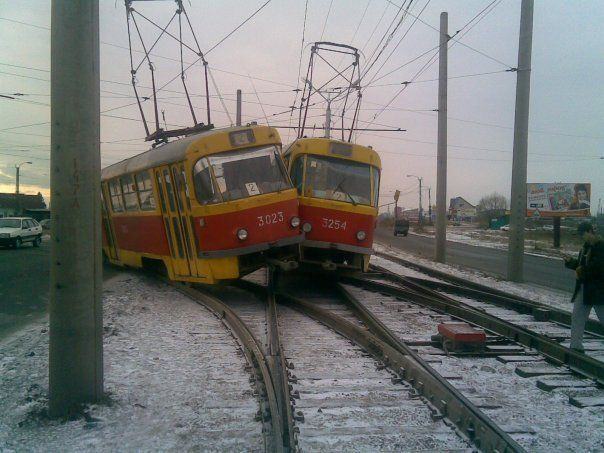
(295, 222)
(242, 234)
(361, 235)
(307, 227)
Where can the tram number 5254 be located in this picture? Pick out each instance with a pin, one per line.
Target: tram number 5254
(333, 224)
(269, 219)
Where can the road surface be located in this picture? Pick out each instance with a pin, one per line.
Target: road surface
(24, 285)
(548, 272)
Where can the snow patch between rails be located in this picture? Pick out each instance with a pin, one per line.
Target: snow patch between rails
(174, 375)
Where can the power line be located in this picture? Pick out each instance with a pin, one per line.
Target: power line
(326, 18)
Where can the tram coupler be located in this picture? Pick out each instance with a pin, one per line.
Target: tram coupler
(329, 265)
(282, 265)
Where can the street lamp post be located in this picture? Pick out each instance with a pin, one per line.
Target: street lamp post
(420, 211)
(17, 169)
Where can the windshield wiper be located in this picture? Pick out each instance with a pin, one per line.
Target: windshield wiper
(339, 186)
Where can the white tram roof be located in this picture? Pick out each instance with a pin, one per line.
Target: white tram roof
(170, 152)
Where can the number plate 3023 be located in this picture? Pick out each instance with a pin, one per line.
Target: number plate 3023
(269, 219)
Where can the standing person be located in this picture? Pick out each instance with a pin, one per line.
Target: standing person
(589, 287)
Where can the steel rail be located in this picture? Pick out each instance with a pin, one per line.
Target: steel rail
(552, 350)
(541, 312)
(499, 297)
(254, 355)
(443, 399)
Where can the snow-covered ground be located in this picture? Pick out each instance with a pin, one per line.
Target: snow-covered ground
(496, 239)
(555, 298)
(174, 375)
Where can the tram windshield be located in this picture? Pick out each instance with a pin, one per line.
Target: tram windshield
(239, 174)
(339, 179)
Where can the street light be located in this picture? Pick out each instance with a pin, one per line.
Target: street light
(420, 211)
(17, 168)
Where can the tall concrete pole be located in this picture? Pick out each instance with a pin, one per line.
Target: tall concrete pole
(328, 119)
(17, 179)
(420, 212)
(441, 158)
(76, 348)
(238, 117)
(518, 197)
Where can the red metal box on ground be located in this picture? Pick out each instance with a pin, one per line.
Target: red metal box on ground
(461, 332)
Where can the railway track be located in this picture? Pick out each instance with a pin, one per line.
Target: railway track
(344, 385)
(263, 358)
(464, 287)
(352, 365)
(518, 320)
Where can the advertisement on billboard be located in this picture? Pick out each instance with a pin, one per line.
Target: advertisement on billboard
(558, 199)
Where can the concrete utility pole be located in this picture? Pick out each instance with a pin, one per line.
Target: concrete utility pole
(238, 117)
(521, 119)
(441, 157)
(328, 118)
(430, 203)
(17, 171)
(76, 341)
(420, 211)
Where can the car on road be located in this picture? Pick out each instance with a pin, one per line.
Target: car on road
(15, 231)
(505, 228)
(401, 226)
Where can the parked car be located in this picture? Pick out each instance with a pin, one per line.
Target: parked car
(401, 226)
(45, 224)
(505, 228)
(15, 231)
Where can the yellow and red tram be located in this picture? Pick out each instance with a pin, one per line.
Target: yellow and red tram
(338, 186)
(208, 207)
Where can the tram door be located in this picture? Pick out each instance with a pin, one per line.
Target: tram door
(172, 221)
(107, 228)
(183, 203)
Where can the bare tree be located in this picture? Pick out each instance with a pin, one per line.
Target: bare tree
(493, 202)
(491, 206)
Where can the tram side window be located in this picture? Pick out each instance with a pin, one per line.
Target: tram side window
(202, 179)
(376, 185)
(116, 196)
(129, 191)
(297, 173)
(145, 191)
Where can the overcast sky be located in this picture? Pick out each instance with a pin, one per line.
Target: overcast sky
(567, 99)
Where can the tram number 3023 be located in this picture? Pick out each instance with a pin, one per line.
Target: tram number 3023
(269, 219)
(333, 224)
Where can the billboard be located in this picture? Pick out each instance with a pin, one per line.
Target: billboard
(558, 199)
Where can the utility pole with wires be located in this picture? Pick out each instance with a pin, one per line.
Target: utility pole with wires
(519, 165)
(420, 210)
(76, 322)
(441, 157)
(17, 175)
(238, 112)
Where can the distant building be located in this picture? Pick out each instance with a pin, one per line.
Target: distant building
(461, 210)
(12, 204)
(411, 214)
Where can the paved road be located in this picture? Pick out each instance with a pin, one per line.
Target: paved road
(24, 285)
(542, 271)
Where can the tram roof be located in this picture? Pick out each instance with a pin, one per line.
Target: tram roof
(165, 154)
(336, 148)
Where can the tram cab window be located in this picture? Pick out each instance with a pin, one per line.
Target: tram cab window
(145, 191)
(376, 185)
(338, 179)
(242, 173)
(202, 178)
(129, 191)
(297, 173)
(116, 196)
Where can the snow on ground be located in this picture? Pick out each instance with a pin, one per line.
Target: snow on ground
(174, 375)
(496, 239)
(549, 296)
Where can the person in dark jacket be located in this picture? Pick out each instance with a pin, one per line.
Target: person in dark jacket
(589, 287)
